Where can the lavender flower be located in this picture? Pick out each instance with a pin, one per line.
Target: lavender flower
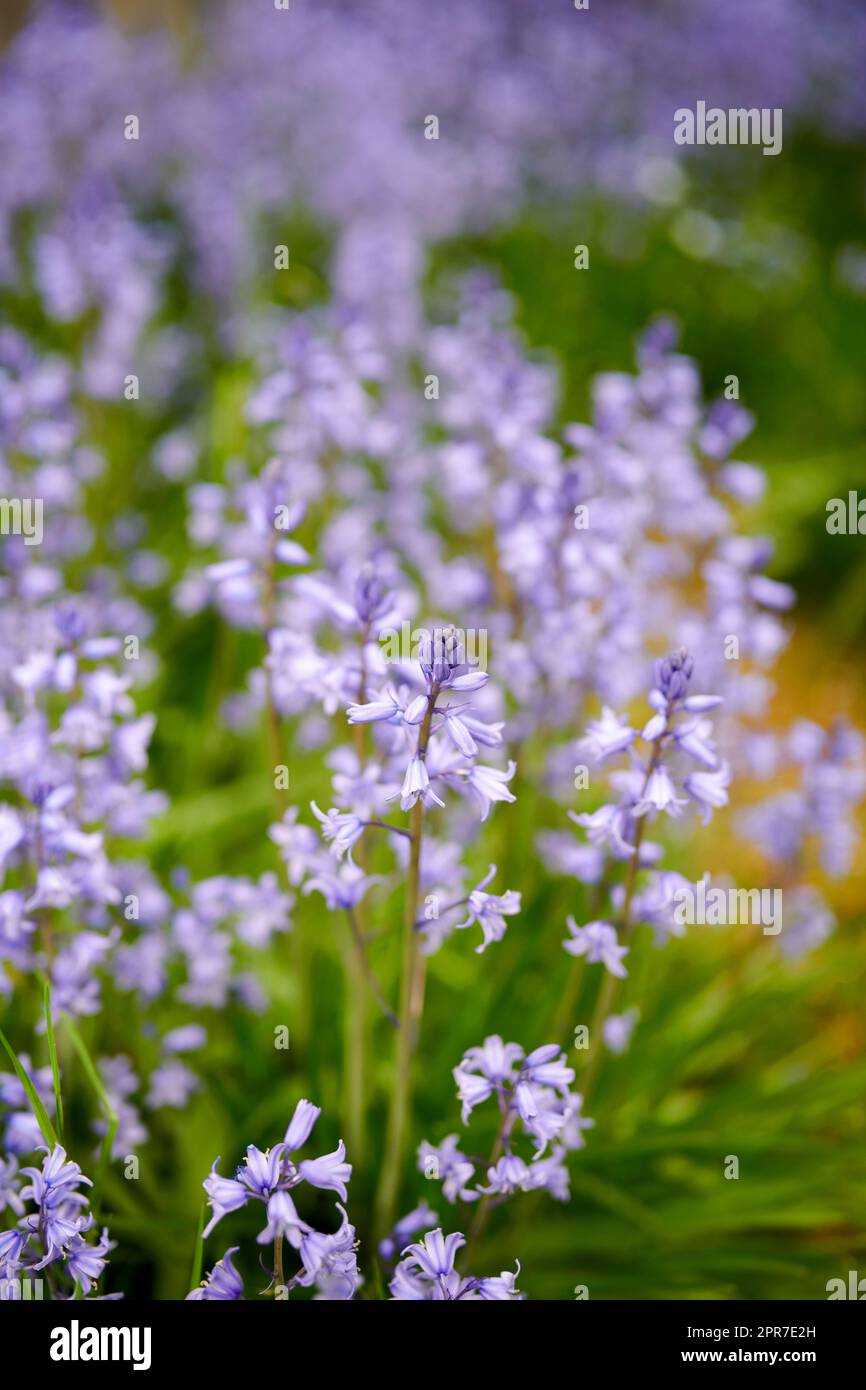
(489, 910)
(271, 1177)
(427, 1272)
(223, 1283)
(597, 941)
(53, 1232)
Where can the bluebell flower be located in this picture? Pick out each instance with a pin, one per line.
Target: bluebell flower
(427, 1273)
(224, 1195)
(86, 1263)
(484, 1070)
(171, 1085)
(375, 711)
(450, 1166)
(301, 1124)
(331, 1171)
(434, 1255)
(262, 1172)
(330, 1262)
(598, 942)
(606, 737)
(546, 1066)
(223, 1283)
(709, 789)
(656, 904)
(54, 1232)
(508, 1174)
(273, 1177)
(283, 1220)
(417, 1220)
(416, 784)
(609, 826)
(499, 1288)
(296, 842)
(341, 885)
(489, 785)
(659, 795)
(618, 1029)
(489, 910)
(187, 1038)
(57, 1175)
(342, 828)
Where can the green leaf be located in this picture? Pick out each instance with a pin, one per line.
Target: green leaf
(55, 1068)
(195, 1272)
(104, 1100)
(39, 1110)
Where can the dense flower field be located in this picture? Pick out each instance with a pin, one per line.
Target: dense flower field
(427, 873)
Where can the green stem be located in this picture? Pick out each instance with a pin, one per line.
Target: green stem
(279, 1277)
(611, 984)
(274, 736)
(356, 965)
(363, 970)
(411, 1006)
(484, 1207)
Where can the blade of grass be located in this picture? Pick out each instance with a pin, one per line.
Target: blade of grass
(55, 1068)
(104, 1100)
(39, 1110)
(198, 1253)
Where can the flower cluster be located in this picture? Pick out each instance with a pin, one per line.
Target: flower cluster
(535, 1100)
(52, 1235)
(812, 819)
(677, 736)
(426, 1273)
(270, 1177)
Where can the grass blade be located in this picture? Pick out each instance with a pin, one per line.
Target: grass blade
(39, 1110)
(55, 1067)
(198, 1253)
(104, 1100)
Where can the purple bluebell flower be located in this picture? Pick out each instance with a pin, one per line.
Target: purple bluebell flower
(341, 828)
(301, 1125)
(484, 1070)
(597, 941)
(489, 785)
(489, 910)
(171, 1085)
(617, 1030)
(427, 1272)
(273, 1177)
(54, 1232)
(508, 1174)
(606, 736)
(189, 1037)
(331, 1171)
(433, 1257)
(330, 1262)
(223, 1283)
(450, 1166)
(417, 1220)
(297, 843)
